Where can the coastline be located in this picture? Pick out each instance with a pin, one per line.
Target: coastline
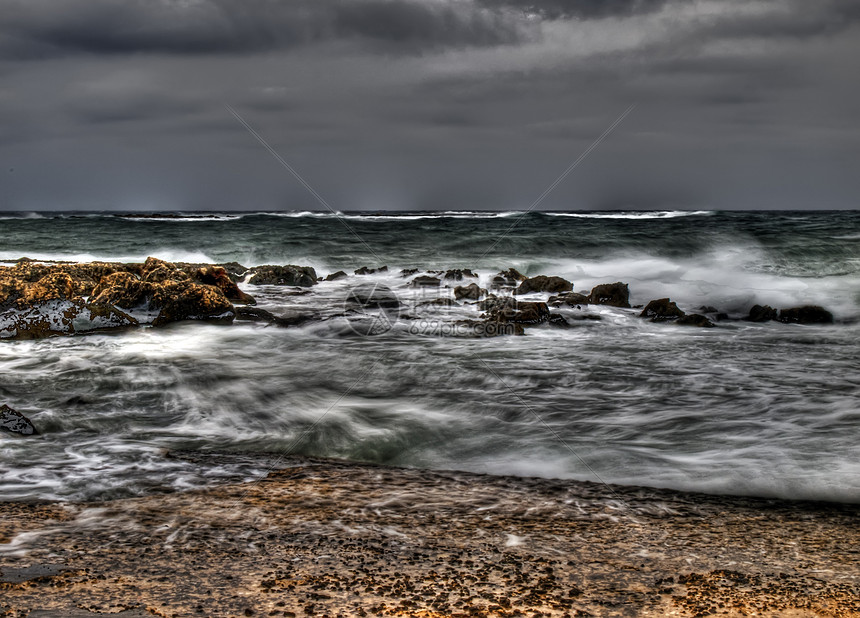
(323, 537)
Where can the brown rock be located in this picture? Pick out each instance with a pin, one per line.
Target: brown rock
(470, 292)
(217, 276)
(542, 283)
(123, 290)
(612, 294)
(508, 278)
(661, 310)
(183, 300)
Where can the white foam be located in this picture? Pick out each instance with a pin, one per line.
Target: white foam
(656, 214)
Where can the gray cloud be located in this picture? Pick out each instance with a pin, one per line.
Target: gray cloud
(451, 103)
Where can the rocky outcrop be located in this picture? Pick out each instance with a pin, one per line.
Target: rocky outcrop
(301, 276)
(664, 310)
(53, 318)
(12, 421)
(469, 292)
(760, 313)
(507, 309)
(542, 283)
(457, 274)
(661, 310)
(365, 270)
(183, 300)
(424, 281)
(509, 278)
(335, 276)
(808, 314)
(612, 294)
(218, 277)
(695, 319)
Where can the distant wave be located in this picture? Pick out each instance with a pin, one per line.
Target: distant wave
(169, 255)
(179, 218)
(656, 214)
(399, 216)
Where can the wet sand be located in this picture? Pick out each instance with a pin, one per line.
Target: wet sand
(324, 538)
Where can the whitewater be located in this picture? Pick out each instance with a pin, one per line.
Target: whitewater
(761, 409)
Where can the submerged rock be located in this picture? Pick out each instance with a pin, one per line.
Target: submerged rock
(302, 276)
(612, 294)
(542, 283)
(661, 310)
(808, 314)
(365, 270)
(13, 421)
(335, 276)
(425, 281)
(695, 319)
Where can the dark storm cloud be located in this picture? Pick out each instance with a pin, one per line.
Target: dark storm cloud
(41, 28)
(429, 103)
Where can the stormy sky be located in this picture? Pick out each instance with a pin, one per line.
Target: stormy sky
(429, 104)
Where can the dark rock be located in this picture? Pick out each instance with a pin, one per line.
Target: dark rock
(469, 292)
(335, 276)
(542, 283)
(489, 328)
(708, 309)
(302, 276)
(508, 278)
(255, 314)
(425, 281)
(760, 313)
(440, 302)
(695, 319)
(408, 272)
(612, 294)
(808, 314)
(457, 274)
(13, 421)
(530, 313)
(661, 310)
(372, 296)
(558, 320)
(364, 270)
(217, 276)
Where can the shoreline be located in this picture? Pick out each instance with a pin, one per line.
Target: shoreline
(322, 537)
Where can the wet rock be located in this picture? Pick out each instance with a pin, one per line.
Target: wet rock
(695, 319)
(372, 296)
(613, 294)
(234, 270)
(760, 313)
(124, 290)
(457, 274)
(661, 310)
(440, 302)
(61, 317)
(530, 313)
(255, 314)
(335, 276)
(408, 272)
(425, 282)
(365, 270)
(182, 300)
(542, 283)
(808, 314)
(558, 320)
(470, 292)
(302, 276)
(13, 421)
(508, 278)
(217, 276)
(159, 271)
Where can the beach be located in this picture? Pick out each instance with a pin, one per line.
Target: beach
(328, 538)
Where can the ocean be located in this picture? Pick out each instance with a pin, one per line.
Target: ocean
(757, 409)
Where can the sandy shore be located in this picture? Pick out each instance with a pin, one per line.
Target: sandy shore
(322, 538)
